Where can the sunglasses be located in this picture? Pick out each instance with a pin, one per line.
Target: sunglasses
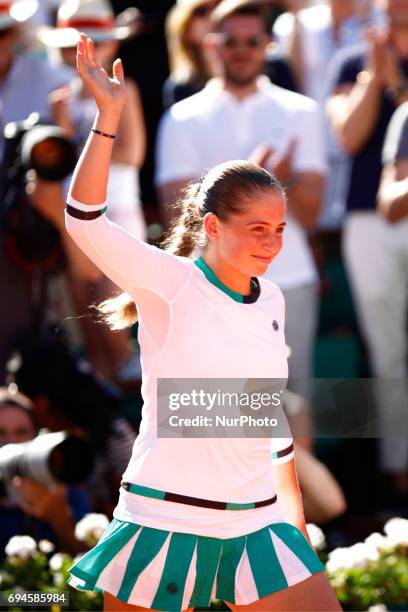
(252, 42)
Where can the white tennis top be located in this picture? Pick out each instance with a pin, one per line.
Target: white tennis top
(190, 327)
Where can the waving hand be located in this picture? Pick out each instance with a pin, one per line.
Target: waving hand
(109, 93)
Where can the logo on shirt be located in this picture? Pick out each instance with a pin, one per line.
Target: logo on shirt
(275, 325)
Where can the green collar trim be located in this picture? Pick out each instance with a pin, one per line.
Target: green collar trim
(238, 297)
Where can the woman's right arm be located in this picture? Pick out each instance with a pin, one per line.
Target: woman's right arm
(91, 173)
(127, 261)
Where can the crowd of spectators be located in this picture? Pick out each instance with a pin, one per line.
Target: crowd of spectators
(314, 91)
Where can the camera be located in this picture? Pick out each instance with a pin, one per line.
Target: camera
(30, 239)
(50, 458)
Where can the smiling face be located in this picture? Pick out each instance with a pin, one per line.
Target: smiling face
(246, 243)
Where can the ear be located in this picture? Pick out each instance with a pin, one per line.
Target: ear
(211, 226)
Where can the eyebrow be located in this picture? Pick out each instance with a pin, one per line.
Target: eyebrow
(265, 223)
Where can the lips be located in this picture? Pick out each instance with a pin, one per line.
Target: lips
(266, 260)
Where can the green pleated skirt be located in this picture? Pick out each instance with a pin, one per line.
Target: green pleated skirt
(171, 571)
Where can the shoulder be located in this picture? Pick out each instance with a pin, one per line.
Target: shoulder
(291, 101)
(194, 106)
(270, 290)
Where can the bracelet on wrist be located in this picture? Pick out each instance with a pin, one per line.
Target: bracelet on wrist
(103, 133)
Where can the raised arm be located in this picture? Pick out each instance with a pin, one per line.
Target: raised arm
(110, 97)
(130, 263)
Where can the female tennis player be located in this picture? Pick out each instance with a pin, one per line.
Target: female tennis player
(197, 518)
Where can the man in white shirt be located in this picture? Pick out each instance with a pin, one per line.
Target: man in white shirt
(243, 116)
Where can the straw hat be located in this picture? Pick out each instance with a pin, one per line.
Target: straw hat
(95, 18)
(16, 11)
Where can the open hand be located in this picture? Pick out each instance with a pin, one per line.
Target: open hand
(281, 166)
(109, 93)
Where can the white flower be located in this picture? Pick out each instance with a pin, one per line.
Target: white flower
(316, 536)
(91, 527)
(378, 541)
(58, 579)
(339, 558)
(20, 546)
(56, 562)
(378, 608)
(45, 546)
(358, 555)
(397, 531)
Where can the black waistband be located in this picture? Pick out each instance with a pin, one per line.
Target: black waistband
(194, 501)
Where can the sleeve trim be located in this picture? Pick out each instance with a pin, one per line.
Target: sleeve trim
(283, 452)
(85, 216)
(84, 207)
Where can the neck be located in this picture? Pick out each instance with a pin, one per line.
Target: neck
(240, 91)
(227, 274)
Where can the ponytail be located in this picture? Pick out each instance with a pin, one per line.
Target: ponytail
(225, 190)
(184, 236)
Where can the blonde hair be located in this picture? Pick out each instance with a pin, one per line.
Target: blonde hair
(185, 61)
(224, 191)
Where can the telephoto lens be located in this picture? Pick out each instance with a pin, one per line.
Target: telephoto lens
(50, 458)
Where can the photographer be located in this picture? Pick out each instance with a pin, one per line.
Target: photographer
(67, 395)
(30, 508)
(25, 83)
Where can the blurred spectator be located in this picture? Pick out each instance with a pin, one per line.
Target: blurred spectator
(371, 81)
(241, 115)
(67, 396)
(26, 506)
(192, 62)
(311, 36)
(74, 110)
(309, 39)
(393, 205)
(25, 84)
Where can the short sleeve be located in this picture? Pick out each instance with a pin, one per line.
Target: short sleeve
(177, 157)
(129, 262)
(282, 450)
(396, 138)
